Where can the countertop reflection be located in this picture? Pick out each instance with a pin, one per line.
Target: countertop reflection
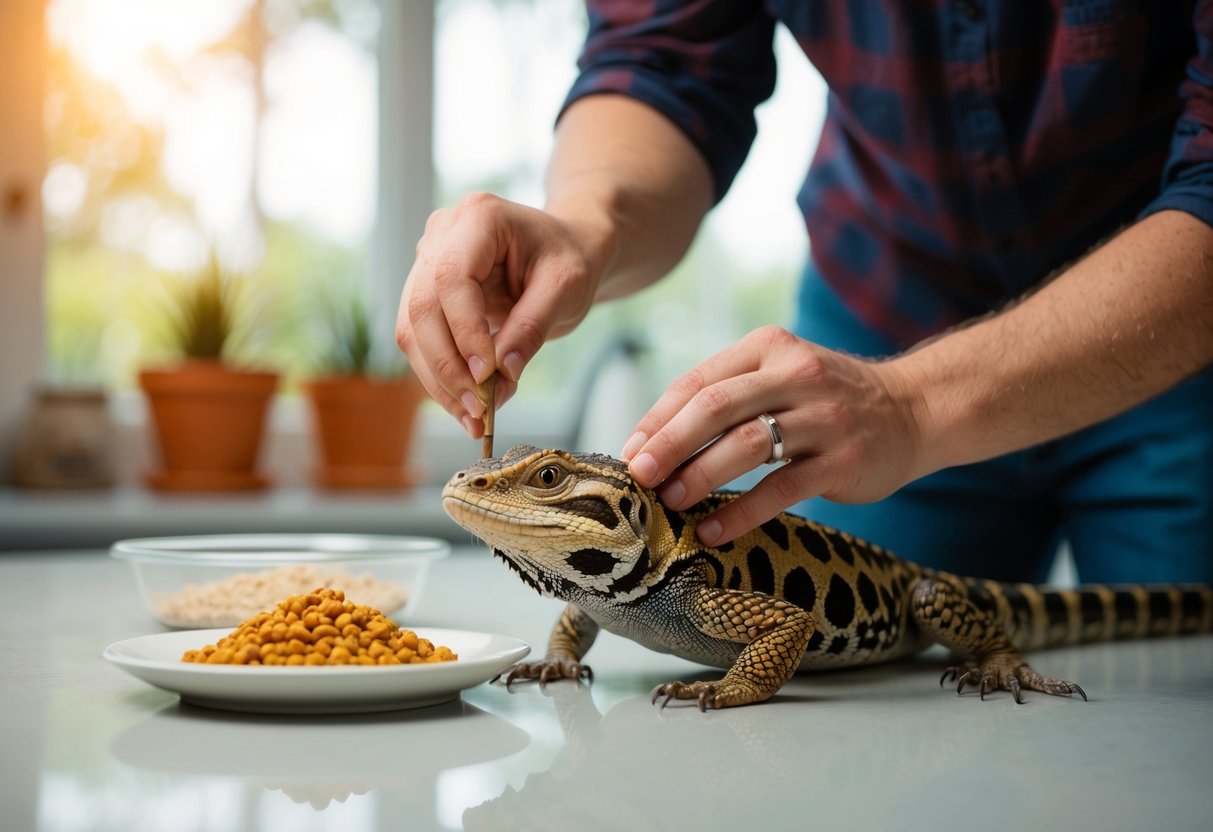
(317, 759)
(89, 748)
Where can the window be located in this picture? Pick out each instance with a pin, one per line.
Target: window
(177, 131)
(248, 129)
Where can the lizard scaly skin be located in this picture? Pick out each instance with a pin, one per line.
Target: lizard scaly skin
(790, 595)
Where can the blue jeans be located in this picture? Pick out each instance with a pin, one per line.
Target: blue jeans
(1133, 496)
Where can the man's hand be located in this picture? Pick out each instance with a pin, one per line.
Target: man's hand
(493, 281)
(847, 424)
(1123, 324)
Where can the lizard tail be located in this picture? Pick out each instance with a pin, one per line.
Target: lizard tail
(1037, 617)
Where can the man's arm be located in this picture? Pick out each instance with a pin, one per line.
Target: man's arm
(639, 193)
(1125, 323)
(1130, 320)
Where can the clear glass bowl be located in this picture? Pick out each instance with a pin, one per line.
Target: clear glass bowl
(221, 580)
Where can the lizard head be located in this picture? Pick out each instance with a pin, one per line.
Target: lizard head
(567, 523)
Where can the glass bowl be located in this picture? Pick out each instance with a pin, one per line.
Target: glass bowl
(204, 581)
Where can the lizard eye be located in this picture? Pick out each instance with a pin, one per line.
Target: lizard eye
(548, 476)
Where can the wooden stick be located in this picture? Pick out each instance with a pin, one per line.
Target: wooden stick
(487, 393)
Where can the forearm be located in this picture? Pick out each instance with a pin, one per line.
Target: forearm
(1125, 323)
(633, 184)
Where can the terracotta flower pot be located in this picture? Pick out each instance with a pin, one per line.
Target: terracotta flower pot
(363, 428)
(210, 421)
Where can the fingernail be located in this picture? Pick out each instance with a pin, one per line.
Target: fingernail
(513, 365)
(469, 425)
(674, 494)
(644, 469)
(471, 404)
(633, 445)
(479, 368)
(708, 531)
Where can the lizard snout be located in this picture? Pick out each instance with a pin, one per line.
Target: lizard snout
(468, 479)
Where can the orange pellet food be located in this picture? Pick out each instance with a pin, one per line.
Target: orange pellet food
(317, 629)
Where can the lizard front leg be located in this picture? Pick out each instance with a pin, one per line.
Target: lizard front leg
(945, 611)
(774, 632)
(572, 636)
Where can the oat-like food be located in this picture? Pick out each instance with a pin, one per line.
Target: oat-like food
(320, 628)
(225, 602)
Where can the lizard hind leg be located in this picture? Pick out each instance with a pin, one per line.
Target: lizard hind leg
(946, 612)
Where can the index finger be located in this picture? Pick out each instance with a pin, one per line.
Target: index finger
(426, 336)
(442, 322)
(471, 255)
(667, 431)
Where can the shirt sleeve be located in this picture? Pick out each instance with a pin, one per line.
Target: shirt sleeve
(704, 64)
(1187, 180)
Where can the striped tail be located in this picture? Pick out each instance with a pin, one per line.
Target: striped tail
(1036, 617)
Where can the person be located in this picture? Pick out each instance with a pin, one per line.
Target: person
(1005, 332)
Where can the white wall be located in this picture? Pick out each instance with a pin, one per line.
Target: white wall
(22, 51)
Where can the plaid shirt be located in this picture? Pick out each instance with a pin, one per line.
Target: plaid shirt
(970, 147)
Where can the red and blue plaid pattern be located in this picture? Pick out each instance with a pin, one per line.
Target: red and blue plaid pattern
(970, 147)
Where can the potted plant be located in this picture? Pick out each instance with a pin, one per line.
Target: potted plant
(363, 403)
(209, 415)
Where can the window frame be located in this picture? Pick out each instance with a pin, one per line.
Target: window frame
(22, 244)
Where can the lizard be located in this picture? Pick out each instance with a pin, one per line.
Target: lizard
(790, 595)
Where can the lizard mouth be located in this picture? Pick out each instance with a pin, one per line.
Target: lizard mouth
(476, 517)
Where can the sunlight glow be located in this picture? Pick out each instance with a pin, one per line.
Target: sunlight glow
(309, 158)
(64, 189)
(323, 111)
(115, 39)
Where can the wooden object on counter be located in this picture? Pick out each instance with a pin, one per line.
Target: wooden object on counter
(487, 393)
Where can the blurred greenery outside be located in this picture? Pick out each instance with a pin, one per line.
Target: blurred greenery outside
(103, 300)
(106, 303)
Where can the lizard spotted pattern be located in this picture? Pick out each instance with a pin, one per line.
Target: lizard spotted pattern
(790, 595)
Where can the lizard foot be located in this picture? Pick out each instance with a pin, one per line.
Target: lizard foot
(722, 694)
(548, 670)
(1007, 672)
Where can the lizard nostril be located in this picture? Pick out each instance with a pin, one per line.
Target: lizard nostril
(460, 475)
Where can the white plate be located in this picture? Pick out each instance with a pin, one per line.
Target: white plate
(156, 659)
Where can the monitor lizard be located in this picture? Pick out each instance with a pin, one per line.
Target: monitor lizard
(790, 595)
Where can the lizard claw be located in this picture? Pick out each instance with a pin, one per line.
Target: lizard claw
(726, 693)
(1007, 672)
(962, 674)
(679, 690)
(548, 670)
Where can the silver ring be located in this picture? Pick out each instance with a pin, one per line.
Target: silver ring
(776, 437)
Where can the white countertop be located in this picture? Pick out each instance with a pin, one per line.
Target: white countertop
(86, 747)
